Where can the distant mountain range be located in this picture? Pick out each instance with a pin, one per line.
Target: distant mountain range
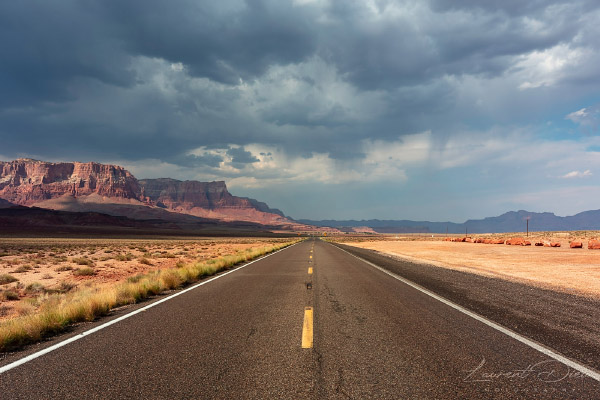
(513, 221)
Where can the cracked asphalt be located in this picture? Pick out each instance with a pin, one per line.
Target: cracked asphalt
(239, 337)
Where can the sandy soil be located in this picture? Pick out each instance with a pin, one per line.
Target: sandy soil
(564, 269)
(50, 265)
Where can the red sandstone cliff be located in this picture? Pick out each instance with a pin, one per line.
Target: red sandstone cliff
(207, 199)
(26, 182)
(113, 190)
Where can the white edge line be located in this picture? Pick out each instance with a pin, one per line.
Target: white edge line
(568, 362)
(47, 350)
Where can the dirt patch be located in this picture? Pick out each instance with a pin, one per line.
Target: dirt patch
(558, 268)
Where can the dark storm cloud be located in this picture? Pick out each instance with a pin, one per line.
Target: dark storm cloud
(46, 45)
(240, 156)
(94, 79)
(510, 7)
(223, 41)
(392, 52)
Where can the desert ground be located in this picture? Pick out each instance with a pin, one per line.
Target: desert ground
(34, 267)
(557, 268)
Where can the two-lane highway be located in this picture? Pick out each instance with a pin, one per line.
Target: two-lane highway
(245, 335)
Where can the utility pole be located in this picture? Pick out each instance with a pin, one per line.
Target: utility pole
(527, 219)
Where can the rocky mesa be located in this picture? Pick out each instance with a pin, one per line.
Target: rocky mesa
(208, 200)
(27, 182)
(111, 189)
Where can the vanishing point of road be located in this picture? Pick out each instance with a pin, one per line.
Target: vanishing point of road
(309, 322)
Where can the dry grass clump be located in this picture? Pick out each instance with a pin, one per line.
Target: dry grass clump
(56, 311)
(84, 271)
(145, 261)
(23, 268)
(6, 279)
(82, 261)
(9, 295)
(124, 257)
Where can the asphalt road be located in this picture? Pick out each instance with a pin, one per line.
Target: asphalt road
(241, 336)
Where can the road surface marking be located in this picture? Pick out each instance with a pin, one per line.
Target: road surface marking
(542, 349)
(307, 329)
(310, 270)
(47, 350)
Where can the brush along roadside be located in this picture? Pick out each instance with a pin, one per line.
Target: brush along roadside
(55, 312)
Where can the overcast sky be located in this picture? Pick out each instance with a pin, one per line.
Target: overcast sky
(436, 110)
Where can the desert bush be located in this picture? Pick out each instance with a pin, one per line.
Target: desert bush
(124, 257)
(144, 261)
(82, 261)
(170, 279)
(35, 288)
(9, 295)
(64, 268)
(23, 268)
(84, 271)
(6, 279)
(135, 278)
(65, 287)
(25, 307)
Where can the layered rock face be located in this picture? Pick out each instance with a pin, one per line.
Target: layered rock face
(174, 194)
(83, 186)
(26, 182)
(206, 199)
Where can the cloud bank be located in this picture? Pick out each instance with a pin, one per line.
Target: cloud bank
(410, 99)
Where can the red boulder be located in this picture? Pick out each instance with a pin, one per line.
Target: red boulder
(518, 241)
(594, 244)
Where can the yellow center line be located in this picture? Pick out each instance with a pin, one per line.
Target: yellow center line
(310, 270)
(307, 329)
